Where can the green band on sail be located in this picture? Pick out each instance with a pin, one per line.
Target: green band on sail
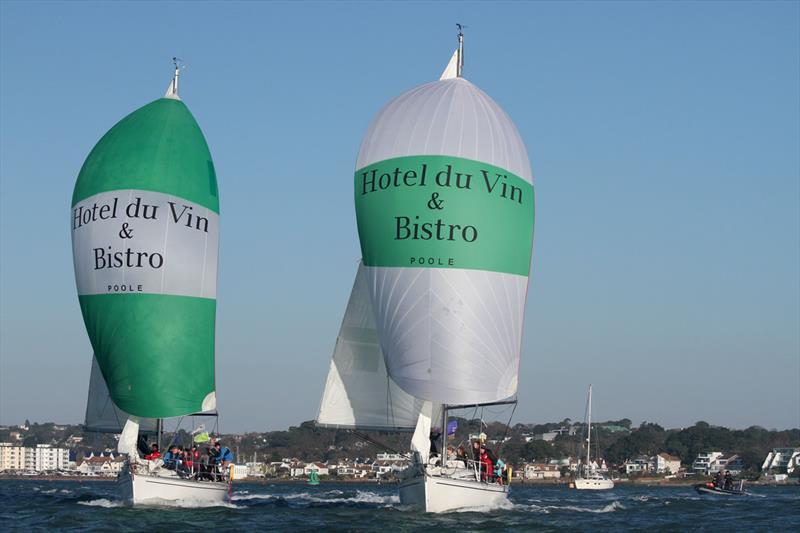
(444, 212)
(158, 147)
(156, 351)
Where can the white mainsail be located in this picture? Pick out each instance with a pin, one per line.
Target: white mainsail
(102, 415)
(358, 393)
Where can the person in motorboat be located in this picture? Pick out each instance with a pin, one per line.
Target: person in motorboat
(718, 479)
(154, 453)
(728, 481)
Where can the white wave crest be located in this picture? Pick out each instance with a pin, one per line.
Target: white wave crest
(501, 505)
(547, 509)
(102, 502)
(331, 496)
(189, 503)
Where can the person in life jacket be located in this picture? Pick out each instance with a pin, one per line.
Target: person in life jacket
(171, 458)
(224, 456)
(499, 470)
(487, 467)
(154, 453)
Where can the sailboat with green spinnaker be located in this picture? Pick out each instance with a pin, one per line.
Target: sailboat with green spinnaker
(145, 238)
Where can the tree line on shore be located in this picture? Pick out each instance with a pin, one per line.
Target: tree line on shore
(616, 441)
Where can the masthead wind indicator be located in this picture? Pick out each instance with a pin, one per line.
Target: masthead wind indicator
(172, 90)
(455, 67)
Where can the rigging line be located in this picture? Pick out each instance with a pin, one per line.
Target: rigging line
(505, 433)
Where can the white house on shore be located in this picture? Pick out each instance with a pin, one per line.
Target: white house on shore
(708, 464)
(101, 465)
(782, 461)
(704, 462)
(664, 463)
(320, 468)
(541, 471)
(640, 465)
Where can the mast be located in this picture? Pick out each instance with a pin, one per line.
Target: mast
(589, 428)
(460, 63)
(172, 90)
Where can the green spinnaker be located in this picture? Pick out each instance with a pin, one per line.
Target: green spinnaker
(156, 351)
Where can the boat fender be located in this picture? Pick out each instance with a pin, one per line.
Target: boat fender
(509, 470)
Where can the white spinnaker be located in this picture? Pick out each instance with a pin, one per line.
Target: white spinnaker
(101, 414)
(358, 393)
(449, 335)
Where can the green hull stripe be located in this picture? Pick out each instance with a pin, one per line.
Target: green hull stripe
(158, 147)
(156, 352)
(444, 212)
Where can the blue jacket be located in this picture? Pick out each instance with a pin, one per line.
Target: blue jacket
(169, 459)
(224, 455)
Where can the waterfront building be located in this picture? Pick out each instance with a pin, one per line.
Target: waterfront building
(46, 458)
(703, 463)
(664, 463)
(640, 465)
(541, 471)
(12, 457)
(101, 465)
(320, 468)
(731, 463)
(782, 461)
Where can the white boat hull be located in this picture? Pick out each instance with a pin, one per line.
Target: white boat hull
(594, 484)
(438, 494)
(143, 488)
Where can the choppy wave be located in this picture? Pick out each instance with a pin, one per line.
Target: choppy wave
(102, 502)
(499, 506)
(331, 496)
(547, 509)
(189, 504)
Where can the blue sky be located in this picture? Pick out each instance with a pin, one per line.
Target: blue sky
(663, 138)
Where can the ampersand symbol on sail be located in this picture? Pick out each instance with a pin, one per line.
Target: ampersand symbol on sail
(125, 232)
(435, 203)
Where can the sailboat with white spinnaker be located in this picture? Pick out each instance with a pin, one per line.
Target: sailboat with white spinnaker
(445, 209)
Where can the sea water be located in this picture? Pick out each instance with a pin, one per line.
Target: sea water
(94, 506)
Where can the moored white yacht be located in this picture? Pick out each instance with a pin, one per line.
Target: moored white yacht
(588, 477)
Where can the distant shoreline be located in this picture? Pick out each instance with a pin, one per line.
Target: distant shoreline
(647, 482)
